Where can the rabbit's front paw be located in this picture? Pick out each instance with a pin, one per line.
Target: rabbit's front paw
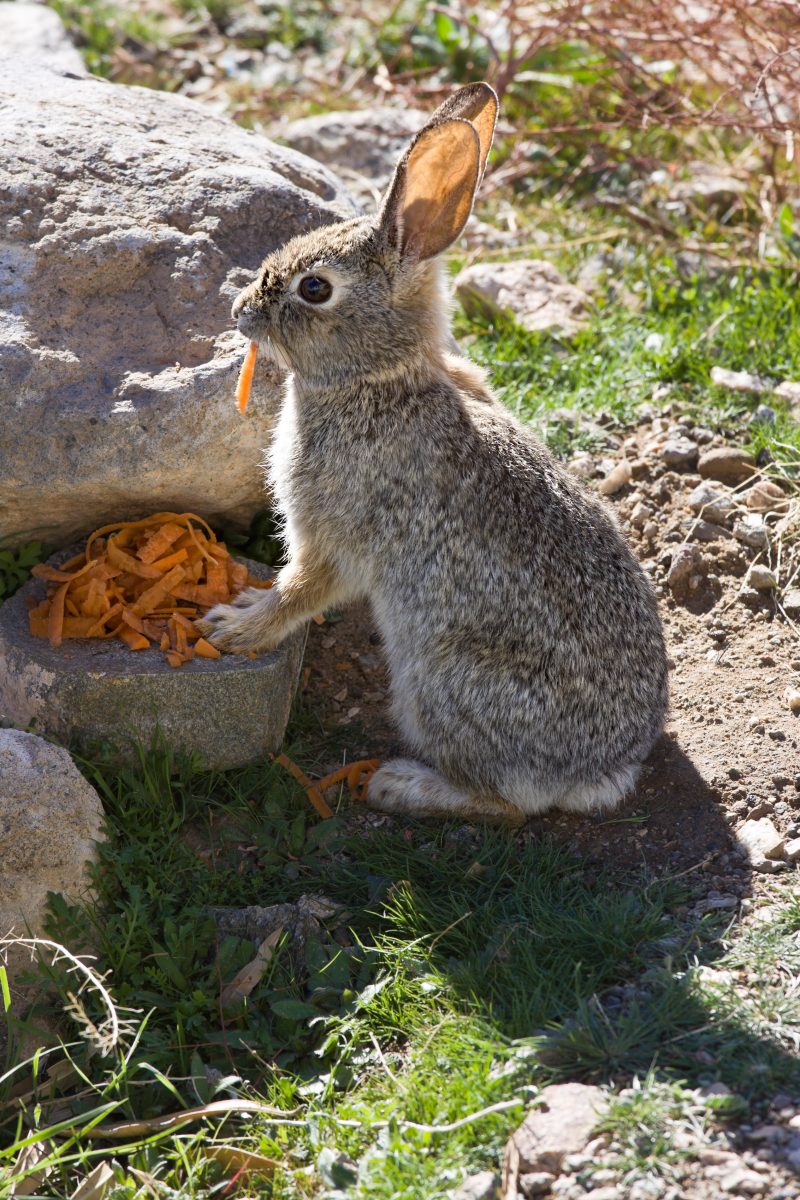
(250, 623)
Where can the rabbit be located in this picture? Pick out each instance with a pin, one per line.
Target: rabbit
(526, 655)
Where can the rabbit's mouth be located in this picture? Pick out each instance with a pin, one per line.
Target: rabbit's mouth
(249, 317)
(249, 321)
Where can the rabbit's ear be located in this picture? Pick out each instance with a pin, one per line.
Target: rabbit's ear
(430, 198)
(478, 103)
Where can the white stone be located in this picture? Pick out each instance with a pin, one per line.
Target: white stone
(761, 839)
(362, 146)
(792, 850)
(530, 291)
(536, 1183)
(789, 390)
(485, 1185)
(50, 822)
(741, 1182)
(130, 220)
(32, 32)
(562, 1125)
(739, 381)
(616, 478)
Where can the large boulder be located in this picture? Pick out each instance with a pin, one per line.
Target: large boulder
(31, 31)
(50, 822)
(129, 220)
(530, 291)
(362, 146)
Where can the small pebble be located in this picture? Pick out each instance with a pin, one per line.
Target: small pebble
(685, 563)
(726, 464)
(711, 504)
(791, 602)
(764, 415)
(616, 479)
(536, 1183)
(739, 381)
(761, 578)
(741, 1182)
(752, 531)
(792, 697)
(679, 452)
(765, 497)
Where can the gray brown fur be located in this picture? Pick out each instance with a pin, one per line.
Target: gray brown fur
(526, 653)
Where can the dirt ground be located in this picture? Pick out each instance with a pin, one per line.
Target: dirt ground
(730, 748)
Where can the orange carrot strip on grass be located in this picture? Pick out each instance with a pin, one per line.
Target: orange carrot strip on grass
(355, 775)
(314, 795)
(245, 380)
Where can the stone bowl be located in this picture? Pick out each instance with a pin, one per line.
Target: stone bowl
(230, 711)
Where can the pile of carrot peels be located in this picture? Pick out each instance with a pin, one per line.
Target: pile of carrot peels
(143, 582)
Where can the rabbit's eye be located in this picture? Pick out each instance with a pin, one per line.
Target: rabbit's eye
(314, 289)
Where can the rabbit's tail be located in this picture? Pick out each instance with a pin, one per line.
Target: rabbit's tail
(584, 797)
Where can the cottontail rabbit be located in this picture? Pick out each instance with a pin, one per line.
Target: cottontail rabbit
(527, 660)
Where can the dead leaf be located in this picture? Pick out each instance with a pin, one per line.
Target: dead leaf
(27, 1159)
(243, 1162)
(245, 980)
(96, 1184)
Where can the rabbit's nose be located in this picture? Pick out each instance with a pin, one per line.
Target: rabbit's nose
(239, 303)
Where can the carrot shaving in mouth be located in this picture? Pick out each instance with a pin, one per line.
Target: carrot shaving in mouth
(142, 582)
(245, 380)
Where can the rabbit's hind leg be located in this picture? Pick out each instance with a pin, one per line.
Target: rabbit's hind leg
(404, 786)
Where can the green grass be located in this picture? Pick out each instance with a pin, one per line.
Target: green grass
(460, 969)
(16, 566)
(741, 321)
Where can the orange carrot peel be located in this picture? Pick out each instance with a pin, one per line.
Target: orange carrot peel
(245, 380)
(356, 775)
(142, 582)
